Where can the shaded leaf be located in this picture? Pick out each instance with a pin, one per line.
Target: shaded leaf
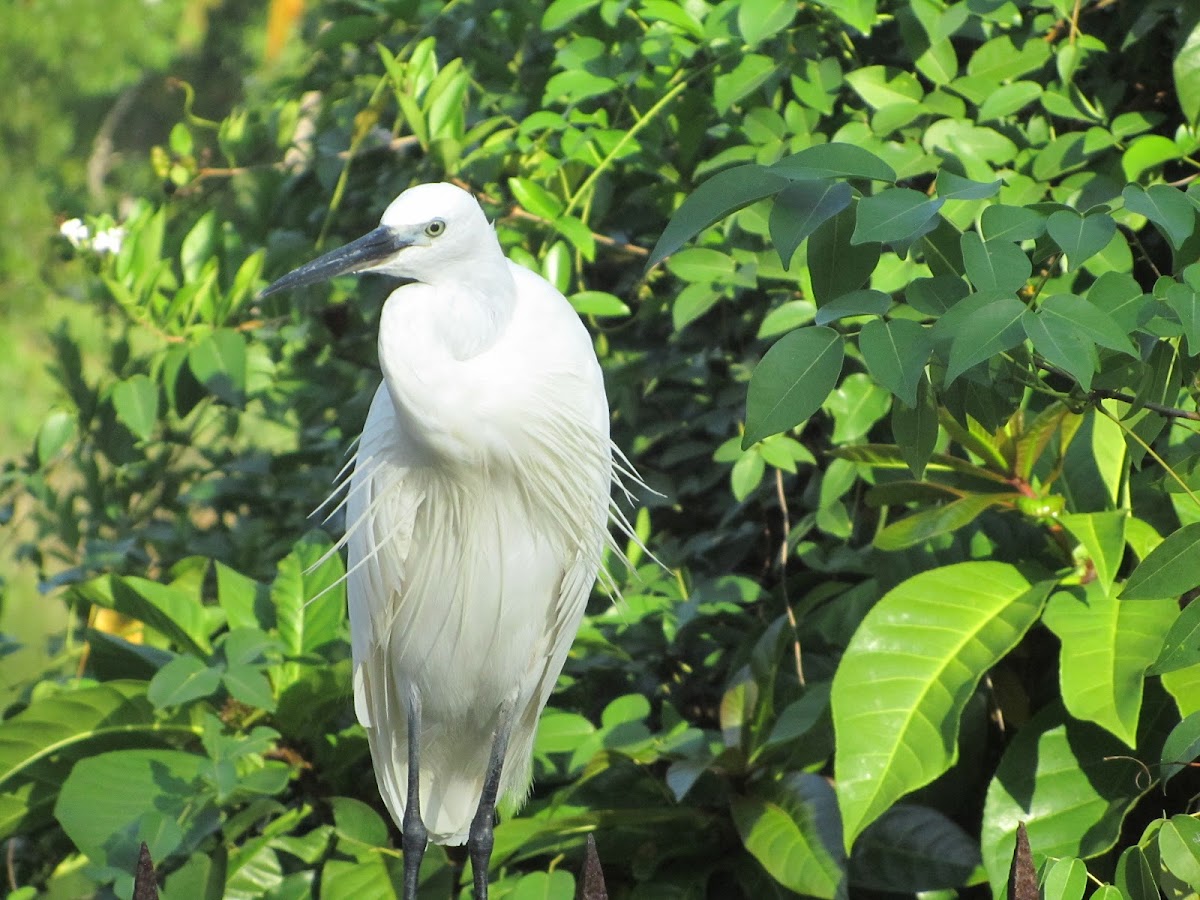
(792, 381)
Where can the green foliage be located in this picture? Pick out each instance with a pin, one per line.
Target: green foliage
(913, 363)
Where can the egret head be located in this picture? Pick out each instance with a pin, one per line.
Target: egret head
(430, 233)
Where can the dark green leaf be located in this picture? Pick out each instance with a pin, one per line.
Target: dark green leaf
(1063, 344)
(1182, 747)
(913, 849)
(1165, 206)
(934, 296)
(916, 429)
(979, 327)
(855, 303)
(995, 265)
(724, 193)
(1011, 223)
(1080, 238)
(835, 160)
(835, 265)
(792, 381)
(955, 187)
(800, 209)
(249, 685)
(896, 353)
(894, 214)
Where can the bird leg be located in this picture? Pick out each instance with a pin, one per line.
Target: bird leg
(479, 838)
(413, 836)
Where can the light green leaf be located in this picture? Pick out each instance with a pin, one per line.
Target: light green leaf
(563, 12)
(955, 187)
(792, 381)
(1107, 645)
(309, 595)
(182, 680)
(1170, 570)
(112, 802)
(1103, 537)
(1070, 783)
(751, 72)
(792, 828)
(1182, 747)
(930, 523)
(1008, 99)
(1179, 848)
(39, 744)
(761, 19)
(858, 14)
(1186, 70)
(1065, 879)
(1147, 152)
(599, 304)
(136, 401)
(219, 363)
(1181, 647)
(908, 673)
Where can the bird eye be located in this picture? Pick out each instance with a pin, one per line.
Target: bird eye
(434, 228)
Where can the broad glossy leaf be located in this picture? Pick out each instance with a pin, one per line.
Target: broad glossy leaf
(218, 361)
(136, 401)
(1065, 880)
(858, 14)
(1094, 323)
(112, 802)
(1179, 848)
(761, 19)
(1080, 237)
(835, 265)
(935, 296)
(1147, 152)
(1120, 296)
(894, 214)
(1165, 206)
(1102, 535)
(996, 265)
(309, 595)
(856, 405)
(182, 680)
(1186, 71)
(926, 524)
(599, 304)
(1170, 570)
(1181, 648)
(1185, 301)
(750, 73)
(1107, 645)
(792, 827)
(1182, 747)
(563, 12)
(66, 726)
(896, 352)
(724, 193)
(800, 209)
(1008, 99)
(908, 672)
(792, 381)
(172, 611)
(1133, 877)
(1070, 782)
(913, 849)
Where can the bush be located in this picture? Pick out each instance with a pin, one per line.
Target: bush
(928, 517)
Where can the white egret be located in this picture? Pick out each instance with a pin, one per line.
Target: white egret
(476, 516)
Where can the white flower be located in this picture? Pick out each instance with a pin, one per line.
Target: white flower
(74, 231)
(109, 240)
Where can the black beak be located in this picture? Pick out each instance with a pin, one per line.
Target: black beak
(361, 254)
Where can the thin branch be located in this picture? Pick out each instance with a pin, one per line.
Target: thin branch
(783, 558)
(1172, 411)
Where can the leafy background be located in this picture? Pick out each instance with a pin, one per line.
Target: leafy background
(898, 307)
